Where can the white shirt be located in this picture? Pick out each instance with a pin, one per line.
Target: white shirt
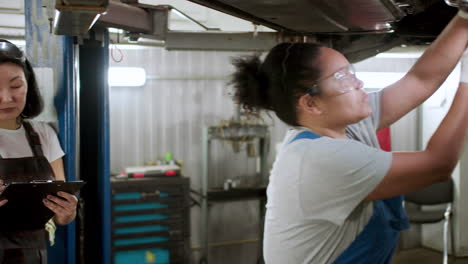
(14, 144)
(316, 193)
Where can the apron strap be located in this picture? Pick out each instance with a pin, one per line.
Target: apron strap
(33, 139)
(304, 134)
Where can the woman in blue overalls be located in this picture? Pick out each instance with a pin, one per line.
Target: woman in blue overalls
(29, 150)
(333, 195)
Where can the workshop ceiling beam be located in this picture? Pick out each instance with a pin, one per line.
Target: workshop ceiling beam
(127, 17)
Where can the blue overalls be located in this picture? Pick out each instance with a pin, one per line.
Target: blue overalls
(377, 241)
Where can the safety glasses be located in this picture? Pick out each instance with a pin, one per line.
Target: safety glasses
(345, 81)
(8, 49)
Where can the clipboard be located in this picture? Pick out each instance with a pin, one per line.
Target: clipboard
(25, 209)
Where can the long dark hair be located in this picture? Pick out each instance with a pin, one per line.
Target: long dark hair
(279, 81)
(9, 52)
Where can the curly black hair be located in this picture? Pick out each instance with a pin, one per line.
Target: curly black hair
(279, 81)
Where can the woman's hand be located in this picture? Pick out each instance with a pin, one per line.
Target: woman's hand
(63, 205)
(2, 188)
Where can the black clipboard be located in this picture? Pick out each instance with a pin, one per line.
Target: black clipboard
(25, 209)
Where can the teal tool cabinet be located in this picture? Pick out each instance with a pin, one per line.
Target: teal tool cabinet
(150, 220)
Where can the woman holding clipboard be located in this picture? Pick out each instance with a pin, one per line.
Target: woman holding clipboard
(29, 151)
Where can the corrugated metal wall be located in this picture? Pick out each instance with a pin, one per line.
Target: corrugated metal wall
(184, 92)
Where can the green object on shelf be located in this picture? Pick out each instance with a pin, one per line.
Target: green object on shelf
(168, 157)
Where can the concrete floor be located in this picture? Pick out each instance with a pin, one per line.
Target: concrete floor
(423, 255)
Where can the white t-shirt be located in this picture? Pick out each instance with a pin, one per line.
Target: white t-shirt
(14, 144)
(315, 205)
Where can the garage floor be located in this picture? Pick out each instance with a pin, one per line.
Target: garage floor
(423, 255)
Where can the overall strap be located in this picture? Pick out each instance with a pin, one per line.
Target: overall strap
(304, 134)
(33, 139)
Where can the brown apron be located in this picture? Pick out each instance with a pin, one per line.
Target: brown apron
(24, 246)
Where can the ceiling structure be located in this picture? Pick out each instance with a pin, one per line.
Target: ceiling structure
(358, 28)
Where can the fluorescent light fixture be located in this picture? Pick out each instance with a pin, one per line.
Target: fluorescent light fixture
(127, 76)
(395, 55)
(379, 80)
(116, 30)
